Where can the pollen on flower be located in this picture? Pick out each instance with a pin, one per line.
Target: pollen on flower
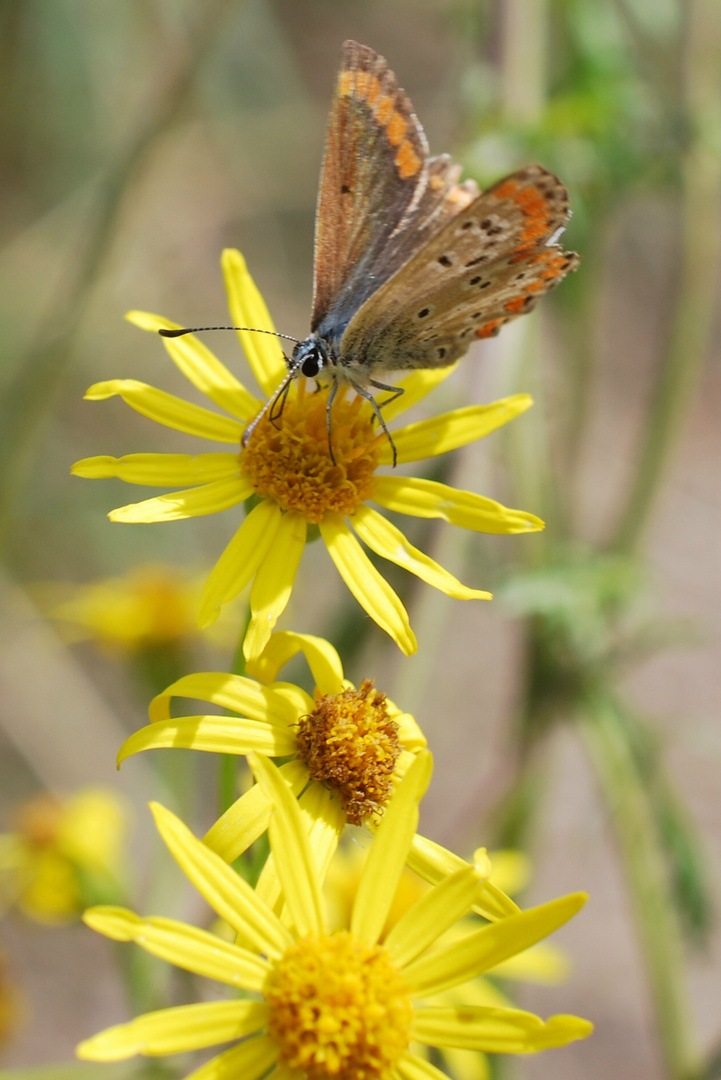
(350, 744)
(338, 1009)
(289, 459)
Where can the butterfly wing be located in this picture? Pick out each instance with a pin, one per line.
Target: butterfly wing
(374, 172)
(488, 262)
(380, 194)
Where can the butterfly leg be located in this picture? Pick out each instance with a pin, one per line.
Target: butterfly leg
(396, 391)
(278, 402)
(270, 407)
(328, 418)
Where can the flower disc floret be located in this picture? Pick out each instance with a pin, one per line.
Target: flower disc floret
(338, 1008)
(350, 744)
(289, 459)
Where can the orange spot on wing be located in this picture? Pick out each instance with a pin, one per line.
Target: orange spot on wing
(396, 129)
(383, 109)
(507, 189)
(367, 87)
(516, 305)
(490, 329)
(530, 201)
(346, 83)
(407, 161)
(554, 267)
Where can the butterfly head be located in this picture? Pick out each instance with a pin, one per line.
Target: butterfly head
(309, 358)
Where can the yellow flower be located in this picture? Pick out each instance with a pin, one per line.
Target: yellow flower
(152, 606)
(510, 871)
(327, 1004)
(347, 749)
(63, 854)
(287, 471)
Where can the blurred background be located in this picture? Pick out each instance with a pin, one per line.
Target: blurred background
(576, 716)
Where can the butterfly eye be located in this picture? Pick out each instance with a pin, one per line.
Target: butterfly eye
(309, 358)
(311, 366)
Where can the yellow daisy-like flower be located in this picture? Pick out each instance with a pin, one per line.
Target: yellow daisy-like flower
(329, 1004)
(347, 747)
(287, 468)
(63, 854)
(151, 607)
(510, 870)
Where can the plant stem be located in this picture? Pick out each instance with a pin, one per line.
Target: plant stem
(602, 726)
(700, 257)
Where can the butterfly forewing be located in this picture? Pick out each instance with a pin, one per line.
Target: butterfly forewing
(374, 174)
(487, 264)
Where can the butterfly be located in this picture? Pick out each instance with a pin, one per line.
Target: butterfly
(411, 265)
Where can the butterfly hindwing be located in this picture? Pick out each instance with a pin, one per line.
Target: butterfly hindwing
(487, 264)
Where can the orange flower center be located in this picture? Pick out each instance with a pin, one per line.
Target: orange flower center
(289, 460)
(338, 1009)
(350, 744)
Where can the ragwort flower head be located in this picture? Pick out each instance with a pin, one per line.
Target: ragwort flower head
(288, 471)
(63, 854)
(344, 751)
(324, 1004)
(510, 871)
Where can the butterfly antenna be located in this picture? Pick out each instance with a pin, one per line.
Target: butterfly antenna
(201, 329)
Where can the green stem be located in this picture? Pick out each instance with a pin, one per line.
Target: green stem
(691, 329)
(41, 372)
(602, 727)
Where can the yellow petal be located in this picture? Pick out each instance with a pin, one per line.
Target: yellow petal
(201, 367)
(169, 410)
(177, 1030)
(214, 734)
(545, 964)
(498, 1031)
(323, 660)
(274, 582)
(415, 387)
(160, 470)
(511, 870)
(433, 914)
(236, 692)
(429, 499)
(324, 820)
(247, 308)
(389, 542)
(248, 817)
(291, 850)
(251, 1060)
(194, 502)
(226, 892)
(479, 951)
(409, 733)
(412, 1067)
(387, 856)
(240, 560)
(369, 587)
(187, 947)
(451, 430)
(434, 863)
